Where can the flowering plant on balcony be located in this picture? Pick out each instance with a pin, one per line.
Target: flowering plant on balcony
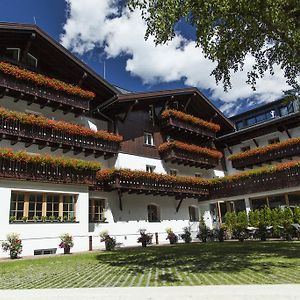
(125, 174)
(190, 148)
(190, 119)
(265, 149)
(45, 159)
(256, 172)
(69, 128)
(42, 80)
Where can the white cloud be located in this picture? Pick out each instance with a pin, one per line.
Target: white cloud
(102, 23)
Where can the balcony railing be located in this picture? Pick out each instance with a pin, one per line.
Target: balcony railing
(146, 185)
(257, 183)
(173, 124)
(21, 170)
(42, 95)
(34, 134)
(272, 155)
(180, 156)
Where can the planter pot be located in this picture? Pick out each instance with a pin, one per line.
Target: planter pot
(13, 255)
(67, 250)
(144, 244)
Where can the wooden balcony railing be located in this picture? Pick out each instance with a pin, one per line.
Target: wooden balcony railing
(173, 124)
(34, 134)
(286, 178)
(25, 90)
(272, 155)
(192, 159)
(21, 170)
(146, 185)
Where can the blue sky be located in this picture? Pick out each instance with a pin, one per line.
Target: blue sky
(99, 30)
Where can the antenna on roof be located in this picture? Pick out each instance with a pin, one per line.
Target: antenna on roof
(104, 70)
(34, 20)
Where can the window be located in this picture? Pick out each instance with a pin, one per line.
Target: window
(153, 213)
(52, 206)
(193, 214)
(151, 112)
(251, 121)
(273, 141)
(286, 110)
(197, 175)
(97, 210)
(13, 53)
(173, 172)
(261, 118)
(239, 125)
(68, 207)
(31, 60)
(148, 139)
(244, 149)
(37, 205)
(150, 169)
(17, 205)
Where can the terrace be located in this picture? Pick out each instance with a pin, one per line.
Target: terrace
(22, 166)
(281, 176)
(275, 152)
(177, 122)
(189, 155)
(140, 182)
(36, 88)
(32, 129)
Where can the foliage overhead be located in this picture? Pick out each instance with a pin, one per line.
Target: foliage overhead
(230, 30)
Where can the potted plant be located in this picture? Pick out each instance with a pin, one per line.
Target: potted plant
(221, 232)
(186, 236)
(110, 242)
(203, 231)
(66, 242)
(172, 237)
(145, 238)
(44, 219)
(13, 245)
(35, 218)
(12, 219)
(25, 219)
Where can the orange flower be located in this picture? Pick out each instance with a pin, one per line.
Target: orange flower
(190, 119)
(190, 148)
(42, 80)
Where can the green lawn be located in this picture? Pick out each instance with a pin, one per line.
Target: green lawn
(194, 264)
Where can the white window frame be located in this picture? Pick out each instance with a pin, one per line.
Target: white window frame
(148, 139)
(34, 59)
(196, 211)
(19, 51)
(157, 211)
(174, 171)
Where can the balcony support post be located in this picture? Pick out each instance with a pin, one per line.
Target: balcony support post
(179, 204)
(247, 205)
(255, 142)
(187, 104)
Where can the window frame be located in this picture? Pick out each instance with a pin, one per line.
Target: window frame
(150, 168)
(148, 137)
(150, 213)
(195, 216)
(92, 210)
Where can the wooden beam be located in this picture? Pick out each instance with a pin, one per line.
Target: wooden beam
(128, 111)
(179, 204)
(288, 133)
(27, 47)
(120, 199)
(84, 75)
(187, 104)
(228, 148)
(255, 142)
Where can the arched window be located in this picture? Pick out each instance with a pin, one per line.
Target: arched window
(153, 213)
(193, 213)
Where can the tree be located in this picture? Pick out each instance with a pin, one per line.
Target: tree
(229, 30)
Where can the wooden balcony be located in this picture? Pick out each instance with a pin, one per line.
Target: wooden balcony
(32, 93)
(45, 173)
(272, 155)
(147, 186)
(177, 126)
(34, 134)
(182, 157)
(257, 183)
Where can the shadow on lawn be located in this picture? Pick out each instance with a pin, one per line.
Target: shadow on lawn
(211, 257)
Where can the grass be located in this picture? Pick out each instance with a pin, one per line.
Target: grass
(193, 264)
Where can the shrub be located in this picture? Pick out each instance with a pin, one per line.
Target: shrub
(203, 231)
(145, 238)
(172, 237)
(186, 236)
(110, 242)
(13, 245)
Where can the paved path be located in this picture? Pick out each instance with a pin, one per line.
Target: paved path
(233, 292)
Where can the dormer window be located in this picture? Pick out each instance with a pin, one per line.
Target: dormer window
(148, 139)
(151, 112)
(273, 141)
(244, 149)
(13, 53)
